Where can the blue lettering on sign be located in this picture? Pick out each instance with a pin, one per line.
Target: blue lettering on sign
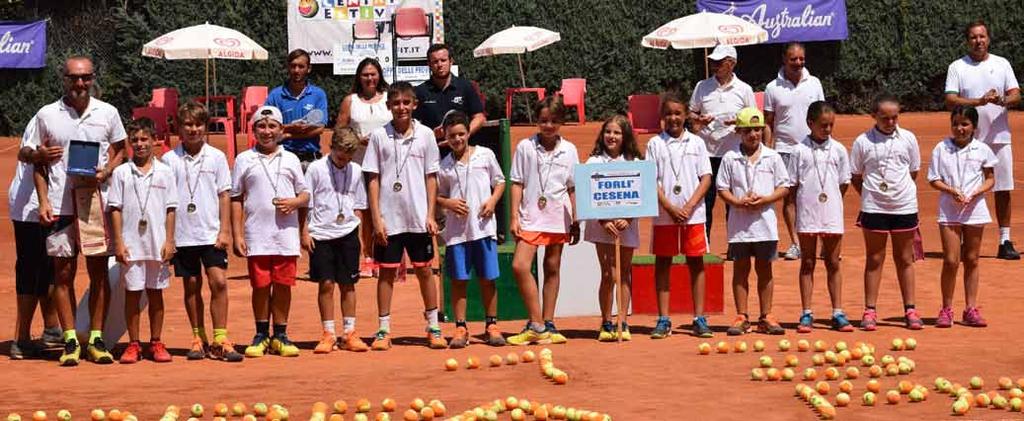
(615, 184)
(617, 195)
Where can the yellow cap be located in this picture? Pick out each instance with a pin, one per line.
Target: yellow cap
(749, 117)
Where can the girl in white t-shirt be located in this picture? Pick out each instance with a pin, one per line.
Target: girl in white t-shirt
(961, 169)
(615, 142)
(543, 215)
(884, 162)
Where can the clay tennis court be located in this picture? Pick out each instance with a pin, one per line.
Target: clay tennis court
(638, 380)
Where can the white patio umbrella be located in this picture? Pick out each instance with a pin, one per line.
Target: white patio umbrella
(205, 42)
(517, 40)
(705, 30)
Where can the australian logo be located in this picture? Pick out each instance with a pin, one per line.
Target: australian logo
(8, 45)
(808, 18)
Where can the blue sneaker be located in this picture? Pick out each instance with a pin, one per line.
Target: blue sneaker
(806, 323)
(840, 323)
(662, 329)
(701, 328)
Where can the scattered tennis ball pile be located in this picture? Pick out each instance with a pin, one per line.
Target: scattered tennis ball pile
(65, 415)
(519, 409)
(543, 358)
(964, 399)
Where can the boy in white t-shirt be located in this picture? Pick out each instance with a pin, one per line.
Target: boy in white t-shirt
(684, 177)
(203, 231)
(751, 179)
(402, 163)
(884, 162)
(819, 170)
(470, 183)
(330, 235)
(142, 201)
(267, 192)
(962, 170)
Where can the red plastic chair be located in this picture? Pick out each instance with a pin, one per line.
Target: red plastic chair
(167, 99)
(573, 95)
(644, 113)
(253, 98)
(759, 99)
(411, 22)
(160, 118)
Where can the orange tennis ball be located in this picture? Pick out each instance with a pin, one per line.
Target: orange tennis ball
(39, 416)
(411, 415)
(512, 358)
(417, 404)
(560, 377)
(822, 388)
(472, 363)
(495, 360)
(363, 405)
(892, 397)
(846, 386)
(340, 407)
(529, 356)
(99, 415)
(905, 386)
(704, 348)
(540, 414)
(803, 345)
(723, 347)
(388, 405)
(831, 373)
(852, 372)
(451, 364)
(115, 415)
(427, 413)
(810, 374)
(336, 417)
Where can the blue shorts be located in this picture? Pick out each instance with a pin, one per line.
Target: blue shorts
(480, 256)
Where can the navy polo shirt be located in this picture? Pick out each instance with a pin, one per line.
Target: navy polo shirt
(294, 108)
(433, 102)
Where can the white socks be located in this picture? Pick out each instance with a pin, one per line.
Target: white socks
(328, 326)
(348, 324)
(1004, 234)
(431, 316)
(384, 322)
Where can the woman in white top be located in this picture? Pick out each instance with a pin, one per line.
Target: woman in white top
(365, 109)
(615, 142)
(962, 170)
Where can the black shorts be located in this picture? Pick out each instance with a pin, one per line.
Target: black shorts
(33, 269)
(417, 245)
(336, 260)
(884, 222)
(190, 261)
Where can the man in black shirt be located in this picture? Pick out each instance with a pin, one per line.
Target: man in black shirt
(445, 92)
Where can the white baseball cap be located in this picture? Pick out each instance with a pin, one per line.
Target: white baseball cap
(723, 51)
(267, 111)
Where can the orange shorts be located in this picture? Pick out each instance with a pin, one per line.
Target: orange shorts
(264, 270)
(538, 239)
(672, 240)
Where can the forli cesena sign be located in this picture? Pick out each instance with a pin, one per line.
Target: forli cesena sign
(787, 20)
(23, 45)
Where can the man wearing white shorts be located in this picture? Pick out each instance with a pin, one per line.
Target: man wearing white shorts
(986, 81)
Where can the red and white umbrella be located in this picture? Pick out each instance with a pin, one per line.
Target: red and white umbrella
(705, 30)
(517, 40)
(205, 42)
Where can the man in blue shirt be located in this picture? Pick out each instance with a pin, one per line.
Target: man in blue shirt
(296, 99)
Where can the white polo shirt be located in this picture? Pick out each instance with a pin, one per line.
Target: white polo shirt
(472, 183)
(143, 196)
(595, 233)
(57, 124)
(687, 157)
(200, 179)
(723, 102)
(261, 178)
(739, 176)
(817, 168)
(896, 155)
(22, 203)
(972, 79)
(334, 191)
(544, 173)
(405, 160)
(961, 168)
(789, 103)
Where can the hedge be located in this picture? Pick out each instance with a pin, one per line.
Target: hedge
(900, 46)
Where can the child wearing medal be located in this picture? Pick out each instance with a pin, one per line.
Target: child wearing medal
(470, 183)
(543, 215)
(203, 231)
(615, 143)
(402, 162)
(267, 192)
(330, 235)
(684, 177)
(962, 170)
(820, 172)
(752, 178)
(884, 162)
(142, 201)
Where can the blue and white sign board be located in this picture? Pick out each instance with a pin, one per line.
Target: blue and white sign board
(625, 189)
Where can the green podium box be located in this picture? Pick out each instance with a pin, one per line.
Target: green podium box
(510, 303)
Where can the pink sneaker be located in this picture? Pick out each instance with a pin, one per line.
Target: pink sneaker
(945, 318)
(913, 320)
(972, 317)
(869, 321)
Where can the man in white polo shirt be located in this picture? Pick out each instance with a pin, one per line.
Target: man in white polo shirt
(76, 116)
(785, 110)
(986, 81)
(713, 107)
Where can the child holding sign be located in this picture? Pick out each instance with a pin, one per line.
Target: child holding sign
(544, 215)
(751, 179)
(962, 171)
(684, 177)
(470, 183)
(614, 143)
